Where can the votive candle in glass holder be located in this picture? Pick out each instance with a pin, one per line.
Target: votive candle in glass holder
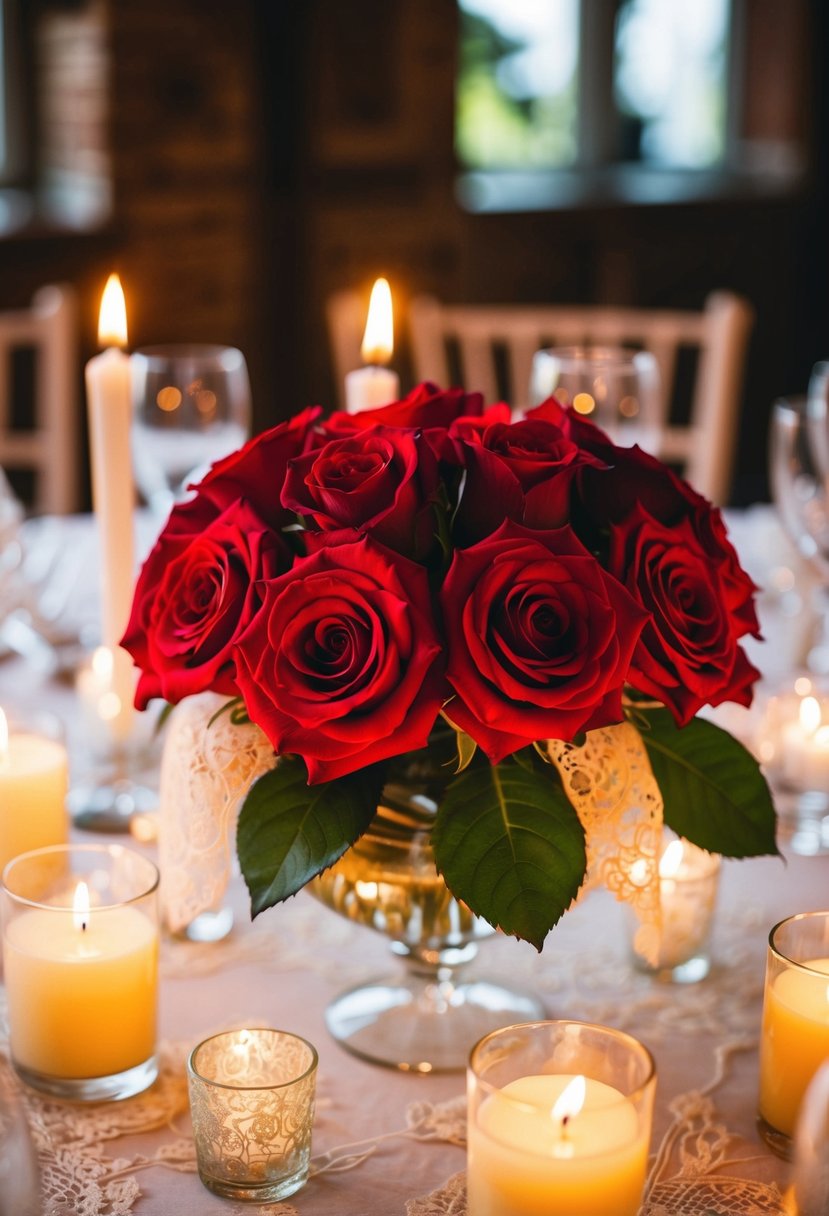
(688, 883)
(80, 957)
(795, 1034)
(33, 783)
(252, 1103)
(559, 1121)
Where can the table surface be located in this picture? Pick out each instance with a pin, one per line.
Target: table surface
(387, 1142)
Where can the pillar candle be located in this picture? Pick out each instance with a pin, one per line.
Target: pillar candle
(33, 784)
(795, 1039)
(375, 384)
(109, 405)
(524, 1159)
(81, 990)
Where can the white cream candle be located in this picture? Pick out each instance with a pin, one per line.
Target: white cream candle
(805, 747)
(374, 385)
(33, 785)
(109, 405)
(81, 988)
(688, 880)
(105, 718)
(556, 1143)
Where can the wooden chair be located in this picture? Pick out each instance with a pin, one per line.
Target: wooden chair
(45, 441)
(493, 346)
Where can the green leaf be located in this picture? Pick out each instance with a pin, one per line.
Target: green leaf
(712, 787)
(160, 722)
(230, 707)
(290, 831)
(509, 844)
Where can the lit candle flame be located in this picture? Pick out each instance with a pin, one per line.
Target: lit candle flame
(810, 714)
(80, 906)
(671, 859)
(4, 738)
(378, 340)
(570, 1100)
(112, 320)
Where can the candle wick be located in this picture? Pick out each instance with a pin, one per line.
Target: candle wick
(83, 926)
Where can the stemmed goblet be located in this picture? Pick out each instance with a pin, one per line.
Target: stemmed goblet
(191, 407)
(617, 387)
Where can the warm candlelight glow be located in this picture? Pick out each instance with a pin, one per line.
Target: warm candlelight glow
(570, 1100)
(378, 340)
(671, 859)
(80, 906)
(584, 403)
(102, 664)
(810, 714)
(4, 738)
(112, 320)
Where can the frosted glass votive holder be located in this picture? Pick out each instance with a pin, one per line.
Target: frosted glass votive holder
(688, 885)
(252, 1094)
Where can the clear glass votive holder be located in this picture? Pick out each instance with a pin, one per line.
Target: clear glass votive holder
(688, 884)
(80, 958)
(252, 1097)
(794, 1040)
(34, 776)
(560, 1120)
(792, 744)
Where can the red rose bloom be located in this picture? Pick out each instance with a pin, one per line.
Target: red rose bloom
(195, 595)
(521, 470)
(539, 637)
(382, 481)
(256, 472)
(426, 406)
(687, 655)
(341, 665)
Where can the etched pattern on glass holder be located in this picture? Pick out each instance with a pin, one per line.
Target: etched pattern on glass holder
(252, 1095)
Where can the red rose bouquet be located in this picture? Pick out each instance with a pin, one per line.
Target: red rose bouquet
(433, 575)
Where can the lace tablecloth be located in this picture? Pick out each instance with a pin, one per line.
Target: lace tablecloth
(391, 1143)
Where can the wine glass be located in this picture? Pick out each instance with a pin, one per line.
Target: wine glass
(191, 407)
(799, 471)
(617, 387)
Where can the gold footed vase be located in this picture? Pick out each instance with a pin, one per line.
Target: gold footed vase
(427, 1016)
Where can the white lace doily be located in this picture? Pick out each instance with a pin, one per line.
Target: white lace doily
(610, 783)
(206, 768)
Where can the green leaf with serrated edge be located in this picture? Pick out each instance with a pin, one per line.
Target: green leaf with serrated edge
(509, 844)
(712, 787)
(290, 831)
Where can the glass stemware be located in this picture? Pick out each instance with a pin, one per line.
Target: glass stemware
(799, 471)
(615, 386)
(191, 407)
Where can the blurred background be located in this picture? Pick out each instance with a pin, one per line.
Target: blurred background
(239, 163)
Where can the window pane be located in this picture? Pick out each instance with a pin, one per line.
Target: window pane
(516, 97)
(670, 79)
